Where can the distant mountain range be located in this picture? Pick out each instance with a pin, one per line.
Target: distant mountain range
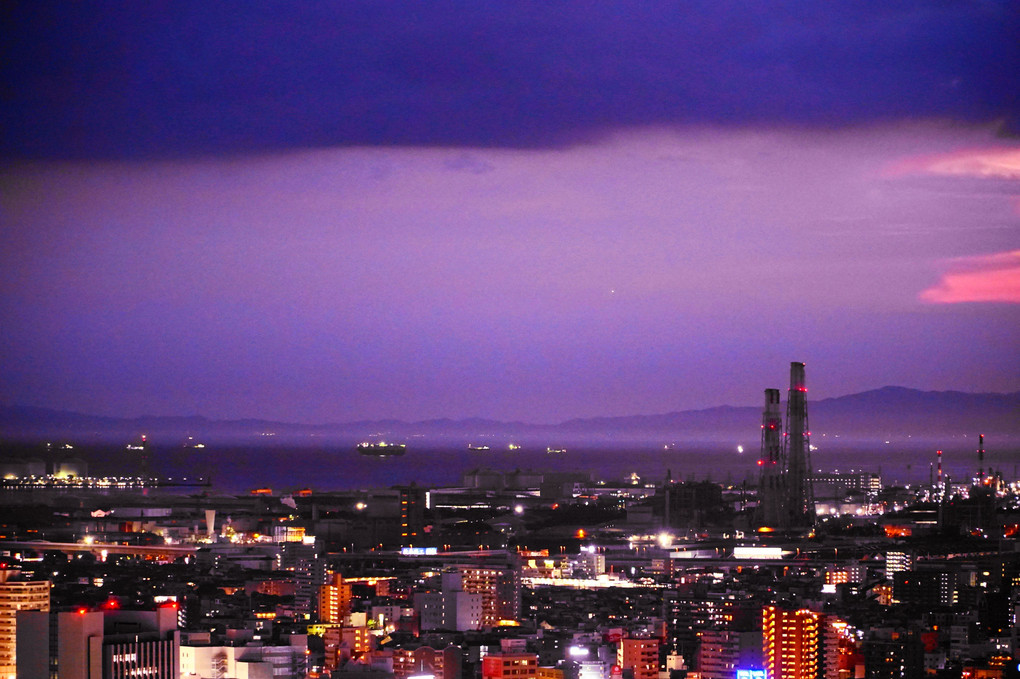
(889, 412)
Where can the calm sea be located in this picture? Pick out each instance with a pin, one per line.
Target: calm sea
(239, 469)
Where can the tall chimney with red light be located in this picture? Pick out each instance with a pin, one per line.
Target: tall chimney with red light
(771, 496)
(939, 453)
(981, 459)
(800, 504)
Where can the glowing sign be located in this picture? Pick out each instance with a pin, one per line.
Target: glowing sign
(757, 553)
(418, 551)
(751, 674)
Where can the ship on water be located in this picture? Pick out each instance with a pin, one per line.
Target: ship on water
(381, 448)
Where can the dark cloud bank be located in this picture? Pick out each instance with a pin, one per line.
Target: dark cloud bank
(139, 79)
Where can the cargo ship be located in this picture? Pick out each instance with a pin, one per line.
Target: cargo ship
(381, 448)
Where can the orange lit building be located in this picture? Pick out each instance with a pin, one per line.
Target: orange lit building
(639, 655)
(17, 595)
(345, 643)
(836, 577)
(334, 600)
(510, 666)
(799, 644)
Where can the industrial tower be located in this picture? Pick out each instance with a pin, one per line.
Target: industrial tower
(771, 492)
(785, 500)
(800, 503)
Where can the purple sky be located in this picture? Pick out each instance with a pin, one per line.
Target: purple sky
(345, 211)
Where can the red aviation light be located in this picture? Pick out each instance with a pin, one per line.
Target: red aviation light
(82, 611)
(761, 463)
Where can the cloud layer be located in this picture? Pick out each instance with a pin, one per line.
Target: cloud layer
(989, 278)
(649, 270)
(136, 79)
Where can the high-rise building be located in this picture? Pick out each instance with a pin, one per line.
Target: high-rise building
(687, 616)
(928, 589)
(451, 608)
(589, 562)
(85, 644)
(310, 573)
(17, 595)
(893, 654)
(897, 562)
(500, 587)
(345, 643)
(639, 655)
(799, 644)
(334, 600)
(724, 651)
(412, 516)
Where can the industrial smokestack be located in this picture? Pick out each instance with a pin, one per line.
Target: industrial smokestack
(772, 430)
(210, 522)
(939, 454)
(981, 459)
(800, 498)
(771, 496)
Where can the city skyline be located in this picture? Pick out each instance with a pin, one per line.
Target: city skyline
(322, 214)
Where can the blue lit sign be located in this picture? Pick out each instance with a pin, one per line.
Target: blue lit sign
(421, 551)
(751, 674)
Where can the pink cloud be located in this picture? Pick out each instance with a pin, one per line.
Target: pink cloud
(989, 278)
(1001, 163)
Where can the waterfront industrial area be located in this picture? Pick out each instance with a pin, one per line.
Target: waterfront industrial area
(517, 574)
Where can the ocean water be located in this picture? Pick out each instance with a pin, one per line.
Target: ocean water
(323, 465)
(238, 469)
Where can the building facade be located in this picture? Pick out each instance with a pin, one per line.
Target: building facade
(17, 595)
(640, 656)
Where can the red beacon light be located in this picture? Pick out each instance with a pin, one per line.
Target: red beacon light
(82, 610)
